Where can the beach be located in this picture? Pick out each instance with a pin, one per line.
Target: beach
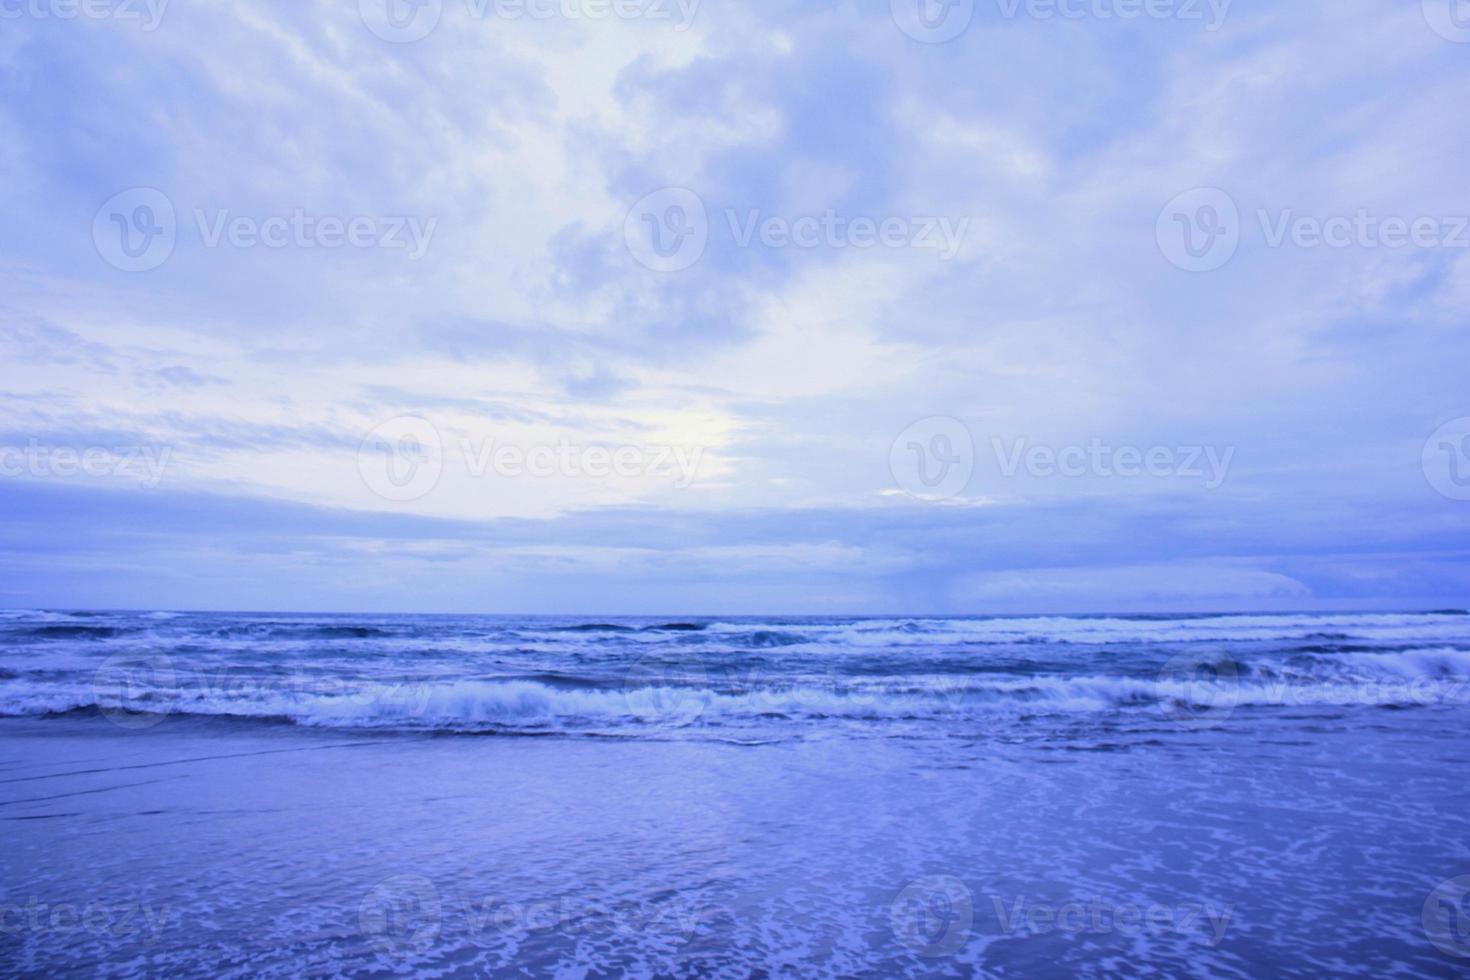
(1295, 840)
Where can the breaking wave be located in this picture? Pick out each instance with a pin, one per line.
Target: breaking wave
(797, 677)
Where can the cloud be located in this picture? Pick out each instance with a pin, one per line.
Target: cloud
(1046, 148)
(133, 547)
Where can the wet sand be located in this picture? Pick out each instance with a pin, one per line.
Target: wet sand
(198, 847)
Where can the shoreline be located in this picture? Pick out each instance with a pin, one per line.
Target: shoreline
(279, 850)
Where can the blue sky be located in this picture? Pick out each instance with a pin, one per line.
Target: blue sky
(735, 308)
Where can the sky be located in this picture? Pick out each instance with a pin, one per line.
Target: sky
(662, 306)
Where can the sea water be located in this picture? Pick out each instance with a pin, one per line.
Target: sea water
(212, 794)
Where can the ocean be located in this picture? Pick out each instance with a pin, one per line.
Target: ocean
(206, 794)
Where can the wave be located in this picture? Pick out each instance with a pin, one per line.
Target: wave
(71, 632)
(1109, 631)
(625, 628)
(793, 675)
(1425, 679)
(765, 639)
(303, 631)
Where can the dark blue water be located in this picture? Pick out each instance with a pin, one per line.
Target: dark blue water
(246, 795)
(769, 678)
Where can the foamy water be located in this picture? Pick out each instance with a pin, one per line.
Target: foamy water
(777, 678)
(231, 795)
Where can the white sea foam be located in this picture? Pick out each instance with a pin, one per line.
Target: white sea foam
(493, 674)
